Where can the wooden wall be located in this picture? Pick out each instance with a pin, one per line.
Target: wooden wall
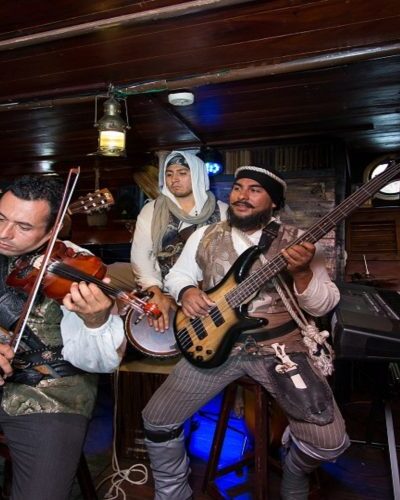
(374, 233)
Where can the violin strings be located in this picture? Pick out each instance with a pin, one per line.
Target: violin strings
(65, 271)
(121, 282)
(69, 272)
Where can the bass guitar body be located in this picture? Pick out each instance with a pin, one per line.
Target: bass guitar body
(206, 342)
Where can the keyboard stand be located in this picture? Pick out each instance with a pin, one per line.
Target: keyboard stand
(394, 466)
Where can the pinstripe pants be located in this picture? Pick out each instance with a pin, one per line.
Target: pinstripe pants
(188, 388)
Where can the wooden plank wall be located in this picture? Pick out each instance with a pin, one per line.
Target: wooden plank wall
(375, 234)
(307, 201)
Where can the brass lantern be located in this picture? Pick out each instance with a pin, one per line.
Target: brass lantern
(112, 129)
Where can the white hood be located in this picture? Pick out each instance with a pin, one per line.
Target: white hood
(199, 175)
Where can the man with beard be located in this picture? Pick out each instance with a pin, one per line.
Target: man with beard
(275, 356)
(164, 225)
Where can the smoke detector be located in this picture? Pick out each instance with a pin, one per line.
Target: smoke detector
(181, 98)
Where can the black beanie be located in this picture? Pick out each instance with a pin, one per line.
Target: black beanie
(269, 179)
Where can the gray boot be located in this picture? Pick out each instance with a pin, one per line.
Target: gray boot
(170, 466)
(296, 471)
(299, 463)
(294, 486)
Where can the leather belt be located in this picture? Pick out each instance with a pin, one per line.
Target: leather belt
(270, 334)
(31, 367)
(36, 357)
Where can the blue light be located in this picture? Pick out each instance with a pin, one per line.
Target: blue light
(236, 443)
(213, 160)
(214, 168)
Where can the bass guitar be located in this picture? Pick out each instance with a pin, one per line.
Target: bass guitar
(206, 342)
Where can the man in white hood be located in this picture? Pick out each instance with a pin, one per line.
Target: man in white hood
(164, 225)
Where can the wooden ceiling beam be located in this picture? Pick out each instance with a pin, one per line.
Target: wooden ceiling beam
(301, 64)
(151, 15)
(318, 61)
(174, 113)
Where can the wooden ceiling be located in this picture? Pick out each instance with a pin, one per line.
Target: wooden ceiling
(261, 72)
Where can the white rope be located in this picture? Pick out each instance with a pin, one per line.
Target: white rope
(290, 302)
(120, 475)
(319, 349)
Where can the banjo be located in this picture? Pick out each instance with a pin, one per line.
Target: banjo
(146, 340)
(140, 334)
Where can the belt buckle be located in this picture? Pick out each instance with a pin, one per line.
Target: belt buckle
(21, 364)
(250, 346)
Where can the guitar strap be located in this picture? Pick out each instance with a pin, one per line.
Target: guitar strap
(169, 254)
(269, 233)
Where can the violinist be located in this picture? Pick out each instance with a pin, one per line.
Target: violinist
(49, 384)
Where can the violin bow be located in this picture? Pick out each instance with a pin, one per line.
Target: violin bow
(70, 184)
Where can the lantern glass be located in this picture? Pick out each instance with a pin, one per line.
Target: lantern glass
(111, 142)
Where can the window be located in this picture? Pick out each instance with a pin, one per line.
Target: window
(392, 190)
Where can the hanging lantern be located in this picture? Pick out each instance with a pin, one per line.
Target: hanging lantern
(112, 129)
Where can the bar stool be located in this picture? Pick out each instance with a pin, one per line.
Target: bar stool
(259, 457)
(82, 474)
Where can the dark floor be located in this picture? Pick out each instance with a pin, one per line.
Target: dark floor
(363, 472)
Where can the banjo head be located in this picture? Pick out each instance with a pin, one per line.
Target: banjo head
(145, 339)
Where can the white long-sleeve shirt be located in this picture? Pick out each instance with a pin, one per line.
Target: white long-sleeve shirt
(320, 296)
(144, 263)
(95, 350)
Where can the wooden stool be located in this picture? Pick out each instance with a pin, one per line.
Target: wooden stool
(259, 457)
(82, 474)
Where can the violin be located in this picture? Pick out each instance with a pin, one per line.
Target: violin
(66, 266)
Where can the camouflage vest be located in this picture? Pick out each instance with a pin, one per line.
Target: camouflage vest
(73, 394)
(174, 240)
(216, 255)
